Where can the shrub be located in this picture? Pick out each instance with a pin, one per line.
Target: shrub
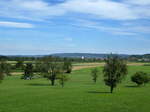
(140, 78)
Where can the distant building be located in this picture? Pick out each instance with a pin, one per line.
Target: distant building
(83, 57)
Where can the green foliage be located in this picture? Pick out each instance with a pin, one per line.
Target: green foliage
(67, 66)
(94, 74)
(1, 76)
(20, 64)
(140, 78)
(5, 69)
(114, 71)
(28, 72)
(62, 79)
(50, 69)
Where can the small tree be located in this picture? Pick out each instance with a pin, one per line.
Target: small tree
(114, 71)
(94, 74)
(140, 78)
(62, 79)
(1, 75)
(67, 66)
(5, 69)
(28, 72)
(53, 70)
(20, 64)
(50, 69)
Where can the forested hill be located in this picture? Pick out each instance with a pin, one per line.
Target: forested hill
(86, 55)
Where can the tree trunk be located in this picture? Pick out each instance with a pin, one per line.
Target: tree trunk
(62, 85)
(111, 89)
(52, 82)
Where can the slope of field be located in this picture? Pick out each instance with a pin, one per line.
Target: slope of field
(80, 94)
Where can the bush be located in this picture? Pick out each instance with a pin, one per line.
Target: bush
(140, 78)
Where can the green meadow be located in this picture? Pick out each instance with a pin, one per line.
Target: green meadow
(80, 94)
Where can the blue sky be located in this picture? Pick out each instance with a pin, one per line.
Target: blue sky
(69, 26)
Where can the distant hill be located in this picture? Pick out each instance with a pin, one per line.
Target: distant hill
(79, 55)
(140, 56)
(86, 55)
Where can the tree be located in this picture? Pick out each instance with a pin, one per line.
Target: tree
(28, 72)
(5, 69)
(1, 76)
(114, 71)
(67, 66)
(50, 69)
(94, 74)
(53, 70)
(20, 64)
(140, 78)
(62, 79)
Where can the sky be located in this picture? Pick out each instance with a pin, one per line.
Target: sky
(38, 27)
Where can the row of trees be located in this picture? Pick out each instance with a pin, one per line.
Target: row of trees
(50, 69)
(115, 71)
(60, 59)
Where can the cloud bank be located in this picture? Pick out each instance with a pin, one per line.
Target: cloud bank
(102, 9)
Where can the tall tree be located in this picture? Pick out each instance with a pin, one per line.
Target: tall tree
(94, 74)
(28, 72)
(114, 71)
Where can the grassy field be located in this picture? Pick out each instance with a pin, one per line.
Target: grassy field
(80, 94)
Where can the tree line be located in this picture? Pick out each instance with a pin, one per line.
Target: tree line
(114, 71)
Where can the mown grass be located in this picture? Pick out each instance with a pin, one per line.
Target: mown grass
(80, 94)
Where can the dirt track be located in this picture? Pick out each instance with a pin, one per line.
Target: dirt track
(92, 65)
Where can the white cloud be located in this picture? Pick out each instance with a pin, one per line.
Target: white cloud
(127, 29)
(28, 9)
(102, 9)
(15, 24)
(138, 2)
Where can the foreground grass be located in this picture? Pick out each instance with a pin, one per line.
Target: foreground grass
(80, 94)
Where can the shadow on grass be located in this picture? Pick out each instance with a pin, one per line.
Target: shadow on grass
(131, 86)
(97, 92)
(38, 84)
